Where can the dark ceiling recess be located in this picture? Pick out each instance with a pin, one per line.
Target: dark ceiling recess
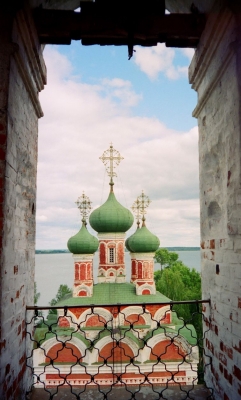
(120, 22)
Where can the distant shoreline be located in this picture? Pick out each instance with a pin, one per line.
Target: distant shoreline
(181, 248)
(59, 251)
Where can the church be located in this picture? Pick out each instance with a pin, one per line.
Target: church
(114, 332)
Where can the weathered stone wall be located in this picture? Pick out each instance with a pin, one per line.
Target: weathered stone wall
(215, 75)
(22, 77)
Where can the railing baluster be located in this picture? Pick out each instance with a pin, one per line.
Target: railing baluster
(152, 347)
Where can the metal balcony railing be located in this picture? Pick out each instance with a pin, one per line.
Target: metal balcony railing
(105, 347)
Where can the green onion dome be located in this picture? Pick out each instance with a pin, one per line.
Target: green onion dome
(111, 217)
(143, 241)
(127, 240)
(83, 242)
(126, 243)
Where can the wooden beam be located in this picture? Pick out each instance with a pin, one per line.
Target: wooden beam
(60, 27)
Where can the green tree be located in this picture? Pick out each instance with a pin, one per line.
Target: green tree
(178, 282)
(165, 258)
(36, 294)
(63, 291)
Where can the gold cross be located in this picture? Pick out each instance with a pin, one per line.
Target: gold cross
(140, 205)
(84, 205)
(111, 158)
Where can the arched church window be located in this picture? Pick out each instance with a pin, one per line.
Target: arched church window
(111, 255)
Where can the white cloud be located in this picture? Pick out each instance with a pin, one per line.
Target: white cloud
(41, 218)
(159, 59)
(189, 53)
(121, 90)
(80, 122)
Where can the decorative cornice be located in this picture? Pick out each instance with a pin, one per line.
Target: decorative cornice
(142, 256)
(202, 60)
(213, 83)
(28, 84)
(204, 54)
(28, 58)
(32, 48)
(83, 257)
(111, 236)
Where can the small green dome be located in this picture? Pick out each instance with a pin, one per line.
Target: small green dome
(111, 217)
(83, 242)
(126, 243)
(127, 240)
(143, 241)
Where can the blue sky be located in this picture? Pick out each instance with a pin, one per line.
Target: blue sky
(160, 96)
(95, 96)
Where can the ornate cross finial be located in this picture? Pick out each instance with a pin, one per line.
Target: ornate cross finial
(111, 158)
(84, 205)
(136, 211)
(139, 207)
(144, 202)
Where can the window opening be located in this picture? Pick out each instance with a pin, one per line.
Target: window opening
(111, 255)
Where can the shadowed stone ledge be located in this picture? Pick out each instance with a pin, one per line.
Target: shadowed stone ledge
(200, 392)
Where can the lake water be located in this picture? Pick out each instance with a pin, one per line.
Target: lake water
(52, 270)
